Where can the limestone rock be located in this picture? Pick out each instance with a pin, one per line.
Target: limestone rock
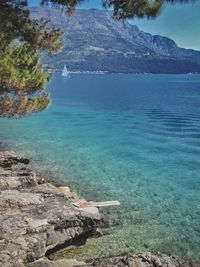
(35, 216)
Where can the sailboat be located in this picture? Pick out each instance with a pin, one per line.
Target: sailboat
(65, 72)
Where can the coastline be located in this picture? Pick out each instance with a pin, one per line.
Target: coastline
(39, 218)
(36, 216)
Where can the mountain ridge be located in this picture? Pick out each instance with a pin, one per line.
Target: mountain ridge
(95, 42)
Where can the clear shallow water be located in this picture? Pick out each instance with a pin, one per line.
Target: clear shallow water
(135, 138)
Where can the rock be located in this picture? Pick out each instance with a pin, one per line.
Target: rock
(41, 263)
(67, 263)
(36, 216)
(140, 260)
(66, 190)
(9, 159)
(136, 263)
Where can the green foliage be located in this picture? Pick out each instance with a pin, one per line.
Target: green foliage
(134, 8)
(22, 79)
(22, 105)
(22, 76)
(13, 16)
(21, 71)
(122, 9)
(16, 24)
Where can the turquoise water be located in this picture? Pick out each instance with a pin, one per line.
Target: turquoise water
(135, 138)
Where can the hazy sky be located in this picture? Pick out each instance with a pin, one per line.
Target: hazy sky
(181, 22)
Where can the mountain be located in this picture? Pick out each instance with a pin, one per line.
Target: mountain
(95, 42)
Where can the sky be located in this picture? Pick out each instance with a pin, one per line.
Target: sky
(181, 22)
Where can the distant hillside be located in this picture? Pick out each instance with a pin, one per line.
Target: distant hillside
(95, 42)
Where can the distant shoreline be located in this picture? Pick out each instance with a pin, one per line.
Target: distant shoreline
(118, 73)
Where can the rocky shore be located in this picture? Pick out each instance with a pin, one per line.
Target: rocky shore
(37, 218)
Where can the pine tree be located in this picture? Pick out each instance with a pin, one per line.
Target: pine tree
(22, 76)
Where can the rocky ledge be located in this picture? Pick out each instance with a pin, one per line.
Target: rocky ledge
(36, 216)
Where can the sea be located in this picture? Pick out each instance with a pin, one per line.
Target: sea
(128, 137)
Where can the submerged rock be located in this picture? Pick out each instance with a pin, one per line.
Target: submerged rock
(36, 216)
(147, 259)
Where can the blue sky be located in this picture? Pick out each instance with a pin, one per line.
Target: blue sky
(181, 22)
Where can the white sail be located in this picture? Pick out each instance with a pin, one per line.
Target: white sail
(65, 72)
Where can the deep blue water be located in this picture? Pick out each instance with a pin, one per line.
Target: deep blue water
(135, 138)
